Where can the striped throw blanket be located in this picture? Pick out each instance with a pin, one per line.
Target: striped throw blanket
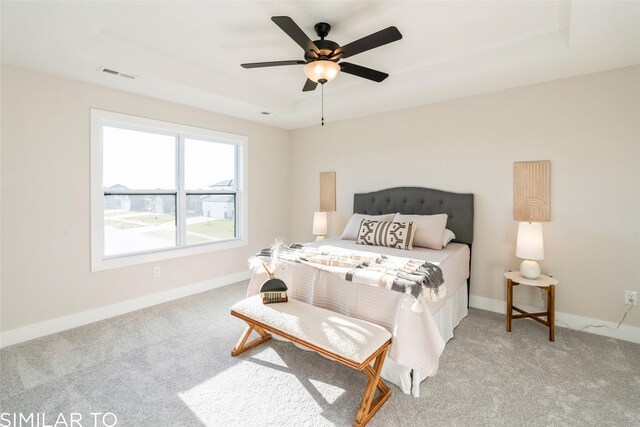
(406, 275)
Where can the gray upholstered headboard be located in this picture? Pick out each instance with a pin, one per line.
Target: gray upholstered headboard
(421, 201)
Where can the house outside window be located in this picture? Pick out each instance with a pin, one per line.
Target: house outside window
(162, 190)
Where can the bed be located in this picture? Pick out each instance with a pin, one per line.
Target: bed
(418, 338)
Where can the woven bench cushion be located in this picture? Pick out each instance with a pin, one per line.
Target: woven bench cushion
(344, 336)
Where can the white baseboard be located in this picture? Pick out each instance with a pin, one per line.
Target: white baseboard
(624, 332)
(60, 324)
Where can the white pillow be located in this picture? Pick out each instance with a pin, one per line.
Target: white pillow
(353, 226)
(429, 229)
(448, 236)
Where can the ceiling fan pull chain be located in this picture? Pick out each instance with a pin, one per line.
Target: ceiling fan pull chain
(322, 88)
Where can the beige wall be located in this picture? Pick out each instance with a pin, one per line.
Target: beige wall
(45, 213)
(588, 126)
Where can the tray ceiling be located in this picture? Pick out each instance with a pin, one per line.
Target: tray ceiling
(190, 52)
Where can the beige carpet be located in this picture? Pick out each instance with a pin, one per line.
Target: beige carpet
(170, 365)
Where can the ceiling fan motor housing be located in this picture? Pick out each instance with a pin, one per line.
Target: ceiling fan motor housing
(326, 48)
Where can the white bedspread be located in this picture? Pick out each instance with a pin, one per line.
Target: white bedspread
(417, 343)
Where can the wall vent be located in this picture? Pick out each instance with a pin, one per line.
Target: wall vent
(118, 73)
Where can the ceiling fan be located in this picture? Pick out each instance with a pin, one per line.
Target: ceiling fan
(321, 56)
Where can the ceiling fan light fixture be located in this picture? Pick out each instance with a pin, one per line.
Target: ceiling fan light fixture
(321, 70)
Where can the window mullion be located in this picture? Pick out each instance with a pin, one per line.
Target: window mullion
(181, 209)
(240, 184)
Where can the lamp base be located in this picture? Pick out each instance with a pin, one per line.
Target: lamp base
(529, 269)
(319, 238)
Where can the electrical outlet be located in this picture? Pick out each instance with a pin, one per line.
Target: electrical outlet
(631, 298)
(157, 271)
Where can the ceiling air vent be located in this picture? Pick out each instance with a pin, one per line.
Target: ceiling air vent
(117, 73)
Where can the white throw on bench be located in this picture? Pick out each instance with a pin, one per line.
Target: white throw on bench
(350, 341)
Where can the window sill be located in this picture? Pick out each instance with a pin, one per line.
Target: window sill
(125, 261)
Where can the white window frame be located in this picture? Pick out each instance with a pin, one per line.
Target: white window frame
(99, 118)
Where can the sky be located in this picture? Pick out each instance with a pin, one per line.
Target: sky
(142, 160)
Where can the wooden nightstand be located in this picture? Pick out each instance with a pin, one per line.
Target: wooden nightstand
(514, 278)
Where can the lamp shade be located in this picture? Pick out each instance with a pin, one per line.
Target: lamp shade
(321, 70)
(530, 244)
(319, 223)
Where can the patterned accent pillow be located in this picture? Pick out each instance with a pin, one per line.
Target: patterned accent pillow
(386, 233)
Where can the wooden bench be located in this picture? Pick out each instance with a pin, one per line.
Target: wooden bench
(350, 341)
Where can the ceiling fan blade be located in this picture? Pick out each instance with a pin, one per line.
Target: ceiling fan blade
(287, 25)
(380, 38)
(309, 86)
(364, 72)
(271, 64)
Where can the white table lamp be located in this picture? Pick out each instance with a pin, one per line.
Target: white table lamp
(530, 247)
(319, 225)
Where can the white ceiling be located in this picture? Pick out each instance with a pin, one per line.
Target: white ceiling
(190, 52)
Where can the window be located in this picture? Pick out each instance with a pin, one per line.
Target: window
(161, 190)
